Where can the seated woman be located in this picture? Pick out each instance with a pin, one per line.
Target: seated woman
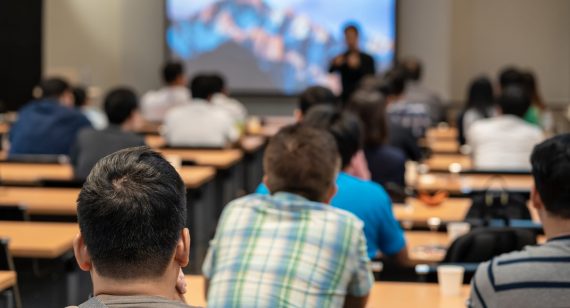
(480, 105)
(387, 164)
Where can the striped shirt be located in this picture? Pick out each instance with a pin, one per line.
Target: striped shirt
(538, 276)
(285, 251)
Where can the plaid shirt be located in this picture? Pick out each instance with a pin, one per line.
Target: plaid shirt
(286, 251)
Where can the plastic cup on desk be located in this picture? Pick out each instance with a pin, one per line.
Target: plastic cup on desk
(450, 279)
(457, 229)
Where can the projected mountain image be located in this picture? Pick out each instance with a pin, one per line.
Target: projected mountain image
(271, 45)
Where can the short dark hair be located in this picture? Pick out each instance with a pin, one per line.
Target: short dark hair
(119, 105)
(316, 95)
(344, 126)
(54, 87)
(171, 71)
(551, 171)
(202, 86)
(218, 82)
(514, 100)
(79, 96)
(370, 106)
(414, 68)
(351, 27)
(394, 81)
(510, 76)
(302, 160)
(131, 211)
(480, 96)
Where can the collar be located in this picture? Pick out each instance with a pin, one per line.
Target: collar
(565, 237)
(287, 196)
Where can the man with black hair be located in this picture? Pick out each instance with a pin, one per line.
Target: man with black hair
(415, 92)
(510, 76)
(290, 248)
(221, 98)
(200, 123)
(506, 141)
(48, 125)
(353, 64)
(133, 237)
(538, 276)
(311, 97)
(121, 107)
(155, 104)
(365, 199)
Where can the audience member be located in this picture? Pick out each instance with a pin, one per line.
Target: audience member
(156, 104)
(83, 103)
(366, 199)
(537, 114)
(201, 123)
(387, 164)
(314, 96)
(480, 105)
(411, 115)
(48, 125)
(353, 64)
(290, 248)
(538, 276)
(121, 107)
(133, 236)
(221, 98)
(510, 76)
(506, 141)
(415, 92)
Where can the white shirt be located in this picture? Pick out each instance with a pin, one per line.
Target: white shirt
(503, 143)
(233, 106)
(199, 124)
(155, 104)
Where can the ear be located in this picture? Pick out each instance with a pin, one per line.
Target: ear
(264, 180)
(536, 200)
(81, 254)
(298, 115)
(330, 193)
(182, 255)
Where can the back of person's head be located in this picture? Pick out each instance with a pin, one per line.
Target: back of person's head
(131, 212)
(314, 96)
(172, 72)
(302, 160)
(203, 86)
(370, 106)
(54, 87)
(343, 125)
(218, 83)
(551, 171)
(514, 100)
(480, 95)
(413, 67)
(531, 86)
(510, 76)
(79, 96)
(394, 82)
(120, 103)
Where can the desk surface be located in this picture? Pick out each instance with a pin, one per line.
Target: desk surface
(418, 241)
(249, 144)
(441, 162)
(442, 146)
(24, 172)
(221, 159)
(39, 239)
(442, 133)
(466, 183)
(453, 209)
(383, 294)
(7, 280)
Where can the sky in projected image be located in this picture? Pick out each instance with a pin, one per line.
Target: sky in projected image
(275, 45)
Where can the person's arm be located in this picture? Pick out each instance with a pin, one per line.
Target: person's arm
(355, 302)
(337, 63)
(400, 258)
(206, 286)
(370, 67)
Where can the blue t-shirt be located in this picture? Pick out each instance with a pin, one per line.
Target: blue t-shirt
(369, 202)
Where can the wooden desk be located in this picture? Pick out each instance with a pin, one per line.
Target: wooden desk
(383, 294)
(155, 141)
(23, 172)
(466, 183)
(416, 239)
(441, 162)
(42, 201)
(445, 133)
(39, 239)
(453, 209)
(271, 125)
(443, 146)
(220, 159)
(7, 280)
(251, 144)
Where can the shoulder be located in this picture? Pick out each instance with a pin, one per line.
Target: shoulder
(363, 188)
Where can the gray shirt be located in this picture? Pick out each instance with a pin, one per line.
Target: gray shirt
(110, 301)
(538, 276)
(92, 145)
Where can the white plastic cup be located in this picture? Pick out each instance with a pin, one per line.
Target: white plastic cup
(457, 229)
(450, 279)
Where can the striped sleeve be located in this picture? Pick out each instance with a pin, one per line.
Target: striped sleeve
(482, 286)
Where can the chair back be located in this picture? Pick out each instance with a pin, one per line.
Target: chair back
(13, 213)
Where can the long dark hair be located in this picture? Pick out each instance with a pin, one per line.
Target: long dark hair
(480, 96)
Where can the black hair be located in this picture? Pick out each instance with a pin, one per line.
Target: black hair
(79, 96)
(351, 27)
(510, 76)
(119, 105)
(514, 100)
(551, 171)
(414, 68)
(131, 211)
(54, 87)
(370, 107)
(344, 126)
(171, 71)
(203, 86)
(218, 82)
(394, 81)
(316, 95)
(480, 96)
